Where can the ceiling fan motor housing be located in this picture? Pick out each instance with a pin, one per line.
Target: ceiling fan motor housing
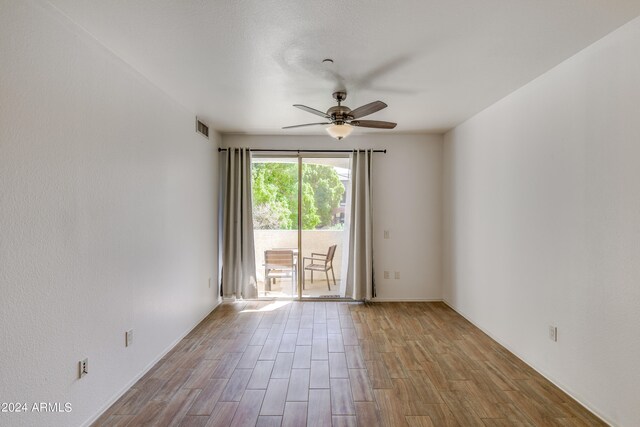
(339, 114)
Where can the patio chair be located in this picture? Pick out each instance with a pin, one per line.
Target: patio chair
(320, 262)
(279, 264)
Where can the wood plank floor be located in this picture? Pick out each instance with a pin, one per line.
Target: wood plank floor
(265, 363)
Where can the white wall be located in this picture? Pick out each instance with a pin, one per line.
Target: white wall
(407, 202)
(107, 218)
(542, 216)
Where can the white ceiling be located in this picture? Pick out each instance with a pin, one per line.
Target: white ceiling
(241, 64)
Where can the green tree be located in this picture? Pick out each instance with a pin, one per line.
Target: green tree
(275, 195)
(328, 190)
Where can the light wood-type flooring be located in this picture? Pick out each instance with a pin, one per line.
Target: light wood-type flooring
(266, 363)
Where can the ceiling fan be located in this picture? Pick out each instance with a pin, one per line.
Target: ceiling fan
(342, 118)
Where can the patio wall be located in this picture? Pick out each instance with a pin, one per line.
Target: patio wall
(312, 241)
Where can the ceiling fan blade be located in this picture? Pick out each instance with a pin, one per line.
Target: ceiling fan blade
(308, 124)
(373, 124)
(311, 110)
(365, 110)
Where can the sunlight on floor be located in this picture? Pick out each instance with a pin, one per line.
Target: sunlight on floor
(285, 289)
(273, 306)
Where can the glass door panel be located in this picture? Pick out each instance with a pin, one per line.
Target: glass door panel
(324, 185)
(274, 185)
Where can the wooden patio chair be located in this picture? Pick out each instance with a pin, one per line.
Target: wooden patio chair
(320, 262)
(279, 264)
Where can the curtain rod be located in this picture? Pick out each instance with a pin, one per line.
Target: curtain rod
(303, 151)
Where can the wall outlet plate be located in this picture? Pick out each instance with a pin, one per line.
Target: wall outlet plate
(553, 333)
(386, 234)
(83, 367)
(128, 338)
(397, 275)
(386, 274)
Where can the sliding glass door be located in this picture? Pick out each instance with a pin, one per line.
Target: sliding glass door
(324, 196)
(299, 211)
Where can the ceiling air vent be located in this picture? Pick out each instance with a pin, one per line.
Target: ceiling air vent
(202, 129)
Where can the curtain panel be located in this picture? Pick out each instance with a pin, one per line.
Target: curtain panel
(238, 261)
(360, 284)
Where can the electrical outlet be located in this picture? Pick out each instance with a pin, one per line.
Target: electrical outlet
(397, 275)
(553, 333)
(128, 338)
(386, 234)
(386, 274)
(83, 367)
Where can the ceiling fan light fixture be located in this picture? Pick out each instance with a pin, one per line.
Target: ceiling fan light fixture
(339, 131)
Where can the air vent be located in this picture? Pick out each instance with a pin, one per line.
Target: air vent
(202, 129)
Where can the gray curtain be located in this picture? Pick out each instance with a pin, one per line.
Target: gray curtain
(359, 283)
(238, 260)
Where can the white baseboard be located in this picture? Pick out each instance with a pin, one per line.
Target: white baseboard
(120, 393)
(562, 387)
(406, 300)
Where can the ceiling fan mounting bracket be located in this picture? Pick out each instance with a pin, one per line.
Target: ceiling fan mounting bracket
(339, 96)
